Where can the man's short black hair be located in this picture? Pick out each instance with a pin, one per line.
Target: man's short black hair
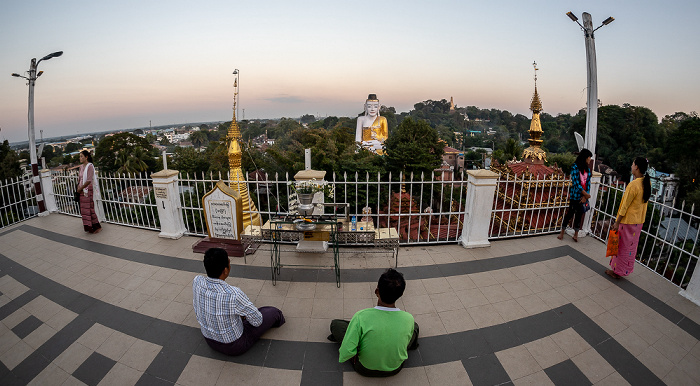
(391, 286)
(215, 260)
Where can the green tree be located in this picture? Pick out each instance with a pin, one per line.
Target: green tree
(125, 151)
(189, 160)
(626, 132)
(684, 143)
(512, 149)
(48, 153)
(307, 118)
(131, 162)
(199, 139)
(151, 138)
(72, 146)
(9, 167)
(414, 147)
(562, 160)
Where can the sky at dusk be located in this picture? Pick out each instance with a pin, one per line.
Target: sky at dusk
(126, 63)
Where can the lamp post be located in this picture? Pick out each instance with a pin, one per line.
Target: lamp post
(31, 79)
(592, 101)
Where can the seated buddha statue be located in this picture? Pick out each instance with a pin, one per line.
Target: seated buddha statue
(372, 129)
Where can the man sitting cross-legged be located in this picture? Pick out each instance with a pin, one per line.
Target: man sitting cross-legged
(377, 339)
(229, 321)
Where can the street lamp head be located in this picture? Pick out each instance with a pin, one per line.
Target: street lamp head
(53, 55)
(235, 72)
(16, 75)
(608, 20)
(572, 16)
(39, 74)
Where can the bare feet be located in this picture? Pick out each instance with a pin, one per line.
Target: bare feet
(612, 274)
(561, 235)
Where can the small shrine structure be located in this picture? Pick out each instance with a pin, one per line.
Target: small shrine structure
(528, 190)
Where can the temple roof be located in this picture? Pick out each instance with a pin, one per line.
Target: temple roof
(536, 169)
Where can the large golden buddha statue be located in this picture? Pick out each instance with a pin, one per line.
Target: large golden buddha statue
(372, 129)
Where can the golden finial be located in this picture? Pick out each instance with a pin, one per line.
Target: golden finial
(536, 104)
(534, 153)
(237, 179)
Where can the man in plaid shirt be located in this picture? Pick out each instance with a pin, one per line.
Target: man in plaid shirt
(229, 321)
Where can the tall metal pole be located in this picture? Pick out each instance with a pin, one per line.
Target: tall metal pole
(32, 140)
(592, 73)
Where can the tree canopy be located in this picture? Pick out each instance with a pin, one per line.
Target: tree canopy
(125, 153)
(414, 147)
(9, 162)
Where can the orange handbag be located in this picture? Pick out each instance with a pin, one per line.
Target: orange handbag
(613, 242)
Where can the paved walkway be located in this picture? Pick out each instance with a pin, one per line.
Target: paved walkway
(116, 309)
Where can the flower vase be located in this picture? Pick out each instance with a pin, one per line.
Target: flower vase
(306, 207)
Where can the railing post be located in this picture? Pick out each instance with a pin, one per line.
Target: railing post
(692, 292)
(167, 193)
(47, 189)
(588, 218)
(97, 198)
(481, 187)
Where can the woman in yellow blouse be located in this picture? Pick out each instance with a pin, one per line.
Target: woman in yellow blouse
(630, 218)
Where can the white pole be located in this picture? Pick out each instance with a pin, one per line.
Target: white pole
(32, 141)
(307, 159)
(592, 101)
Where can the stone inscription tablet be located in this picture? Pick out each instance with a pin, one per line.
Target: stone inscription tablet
(221, 219)
(223, 212)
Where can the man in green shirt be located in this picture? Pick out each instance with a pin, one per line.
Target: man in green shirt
(377, 339)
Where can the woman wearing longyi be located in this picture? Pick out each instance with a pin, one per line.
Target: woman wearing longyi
(630, 218)
(579, 192)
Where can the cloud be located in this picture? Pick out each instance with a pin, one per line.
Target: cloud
(284, 98)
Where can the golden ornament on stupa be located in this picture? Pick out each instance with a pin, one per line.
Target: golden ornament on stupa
(535, 154)
(237, 180)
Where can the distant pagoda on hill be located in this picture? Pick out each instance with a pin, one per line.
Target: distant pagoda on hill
(528, 190)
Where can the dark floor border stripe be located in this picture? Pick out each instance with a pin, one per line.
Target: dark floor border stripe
(303, 274)
(37, 361)
(317, 357)
(567, 373)
(370, 275)
(103, 313)
(663, 309)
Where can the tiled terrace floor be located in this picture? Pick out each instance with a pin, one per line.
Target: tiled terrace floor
(116, 308)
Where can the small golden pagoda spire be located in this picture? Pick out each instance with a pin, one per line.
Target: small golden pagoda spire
(535, 154)
(237, 179)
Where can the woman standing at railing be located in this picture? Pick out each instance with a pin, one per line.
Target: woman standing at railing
(579, 192)
(630, 218)
(86, 176)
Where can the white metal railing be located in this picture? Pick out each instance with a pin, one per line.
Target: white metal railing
(422, 210)
(64, 184)
(668, 244)
(125, 199)
(528, 205)
(129, 200)
(17, 200)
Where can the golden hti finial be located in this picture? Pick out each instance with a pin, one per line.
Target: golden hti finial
(535, 154)
(237, 180)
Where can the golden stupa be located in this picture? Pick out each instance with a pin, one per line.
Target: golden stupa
(237, 180)
(535, 154)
